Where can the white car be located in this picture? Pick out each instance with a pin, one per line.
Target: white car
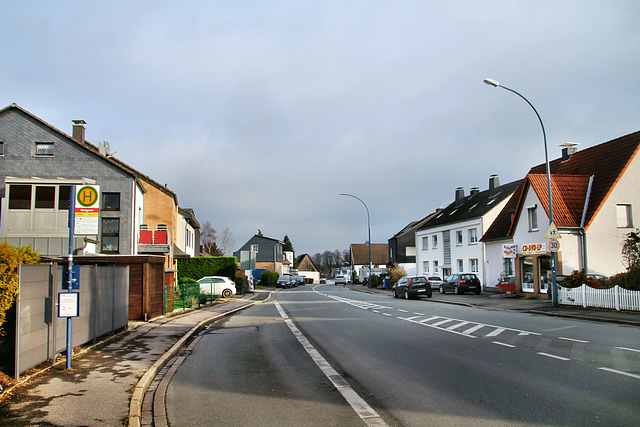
(217, 285)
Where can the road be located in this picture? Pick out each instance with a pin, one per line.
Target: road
(399, 362)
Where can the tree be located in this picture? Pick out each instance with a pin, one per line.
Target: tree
(631, 249)
(288, 247)
(208, 239)
(10, 258)
(227, 244)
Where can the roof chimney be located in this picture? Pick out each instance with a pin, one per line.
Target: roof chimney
(494, 185)
(474, 191)
(568, 148)
(459, 196)
(78, 130)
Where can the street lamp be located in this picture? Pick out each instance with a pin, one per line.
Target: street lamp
(554, 288)
(368, 228)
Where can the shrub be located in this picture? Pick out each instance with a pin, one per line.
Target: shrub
(395, 273)
(269, 278)
(207, 266)
(10, 258)
(241, 283)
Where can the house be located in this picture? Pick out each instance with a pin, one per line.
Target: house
(449, 241)
(261, 252)
(307, 268)
(402, 246)
(359, 254)
(593, 194)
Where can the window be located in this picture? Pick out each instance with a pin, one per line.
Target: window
(63, 197)
(434, 241)
(20, 197)
(623, 216)
(425, 266)
(44, 148)
(473, 236)
(254, 248)
(435, 267)
(425, 243)
(110, 234)
(1, 148)
(458, 238)
(460, 266)
(111, 201)
(533, 218)
(507, 266)
(45, 197)
(473, 264)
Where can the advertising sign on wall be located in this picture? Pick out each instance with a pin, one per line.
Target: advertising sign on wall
(534, 249)
(509, 251)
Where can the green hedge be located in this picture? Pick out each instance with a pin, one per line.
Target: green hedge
(198, 267)
(269, 278)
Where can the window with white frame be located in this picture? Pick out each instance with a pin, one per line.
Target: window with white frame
(460, 266)
(436, 269)
(459, 237)
(254, 248)
(434, 241)
(425, 243)
(624, 216)
(473, 236)
(473, 265)
(532, 214)
(425, 266)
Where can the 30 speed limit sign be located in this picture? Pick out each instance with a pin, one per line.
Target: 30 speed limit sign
(554, 245)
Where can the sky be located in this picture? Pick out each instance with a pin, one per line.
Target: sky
(258, 114)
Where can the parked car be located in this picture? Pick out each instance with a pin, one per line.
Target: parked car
(461, 283)
(217, 285)
(323, 281)
(300, 280)
(434, 281)
(286, 281)
(340, 280)
(409, 287)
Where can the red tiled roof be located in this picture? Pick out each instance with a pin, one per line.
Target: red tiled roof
(607, 162)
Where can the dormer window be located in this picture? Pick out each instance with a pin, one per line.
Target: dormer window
(44, 149)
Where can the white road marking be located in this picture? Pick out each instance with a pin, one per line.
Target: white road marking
(496, 332)
(573, 339)
(503, 344)
(628, 349)
(553, 356)
(362, 408)
(621, 372)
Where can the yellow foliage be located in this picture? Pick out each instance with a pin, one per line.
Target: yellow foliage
(10, 258)
(395, 273)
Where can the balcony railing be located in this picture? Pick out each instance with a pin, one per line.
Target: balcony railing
(154, 239)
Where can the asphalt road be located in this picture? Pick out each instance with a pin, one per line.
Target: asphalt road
(413, 362)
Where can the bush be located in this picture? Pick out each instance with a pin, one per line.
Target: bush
(241, 283)
(629, 280)
(10, 258)
(395, 273)
(269, 279)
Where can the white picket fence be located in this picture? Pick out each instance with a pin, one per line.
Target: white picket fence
(615, 298)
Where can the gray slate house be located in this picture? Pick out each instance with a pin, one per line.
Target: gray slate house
(38, 166)
(402, 246)
(264, 251)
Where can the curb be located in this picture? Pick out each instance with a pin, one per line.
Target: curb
(135, 404)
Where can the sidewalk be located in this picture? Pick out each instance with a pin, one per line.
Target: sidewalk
(494, 301)
(106, 385)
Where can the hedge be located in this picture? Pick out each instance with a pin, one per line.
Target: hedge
(197, 267)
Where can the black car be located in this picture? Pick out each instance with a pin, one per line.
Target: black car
(461, 283)
(409, 287)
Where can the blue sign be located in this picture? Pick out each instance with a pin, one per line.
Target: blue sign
(75, 285)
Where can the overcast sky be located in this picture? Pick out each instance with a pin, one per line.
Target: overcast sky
(258, 114)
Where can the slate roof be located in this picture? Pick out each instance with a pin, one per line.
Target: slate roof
(607, 162)
(472, 206)
(379, 253)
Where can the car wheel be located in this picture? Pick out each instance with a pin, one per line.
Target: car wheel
(441, 289)
(429, 295)
(394, 293)
(406, 294)
(477, 291)
(226, 293)
(456, 290)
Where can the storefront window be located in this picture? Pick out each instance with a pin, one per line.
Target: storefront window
(545, 273)
(527, 274)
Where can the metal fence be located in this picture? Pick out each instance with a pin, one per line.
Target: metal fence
(614, 298)
(41, 334)
(187, 295)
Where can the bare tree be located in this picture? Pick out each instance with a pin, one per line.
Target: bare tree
(208, 239)
(227, 243)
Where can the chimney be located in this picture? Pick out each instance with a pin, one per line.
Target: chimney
(494, 185)
(568, 148)
(459, 196)
(78, 130)
(474, 191)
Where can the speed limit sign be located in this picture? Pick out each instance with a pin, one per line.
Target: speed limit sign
(554, 245)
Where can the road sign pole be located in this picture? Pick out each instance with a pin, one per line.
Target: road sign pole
(72, 209)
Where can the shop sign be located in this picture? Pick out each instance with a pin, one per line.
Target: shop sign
(509, 251)
(534, 249)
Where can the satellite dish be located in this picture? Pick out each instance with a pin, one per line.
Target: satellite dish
(107, 147)
(101, 149)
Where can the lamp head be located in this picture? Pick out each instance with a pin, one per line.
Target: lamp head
(492, 82)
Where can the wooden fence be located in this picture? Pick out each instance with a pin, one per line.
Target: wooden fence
(614, 298)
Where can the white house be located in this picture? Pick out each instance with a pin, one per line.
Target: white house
(593, 194)
(449, 242)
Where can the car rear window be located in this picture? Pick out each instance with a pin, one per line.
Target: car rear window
(418, 280)
(469, 277)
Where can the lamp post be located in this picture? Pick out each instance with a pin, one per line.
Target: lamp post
(368, 228)
(554, 288)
